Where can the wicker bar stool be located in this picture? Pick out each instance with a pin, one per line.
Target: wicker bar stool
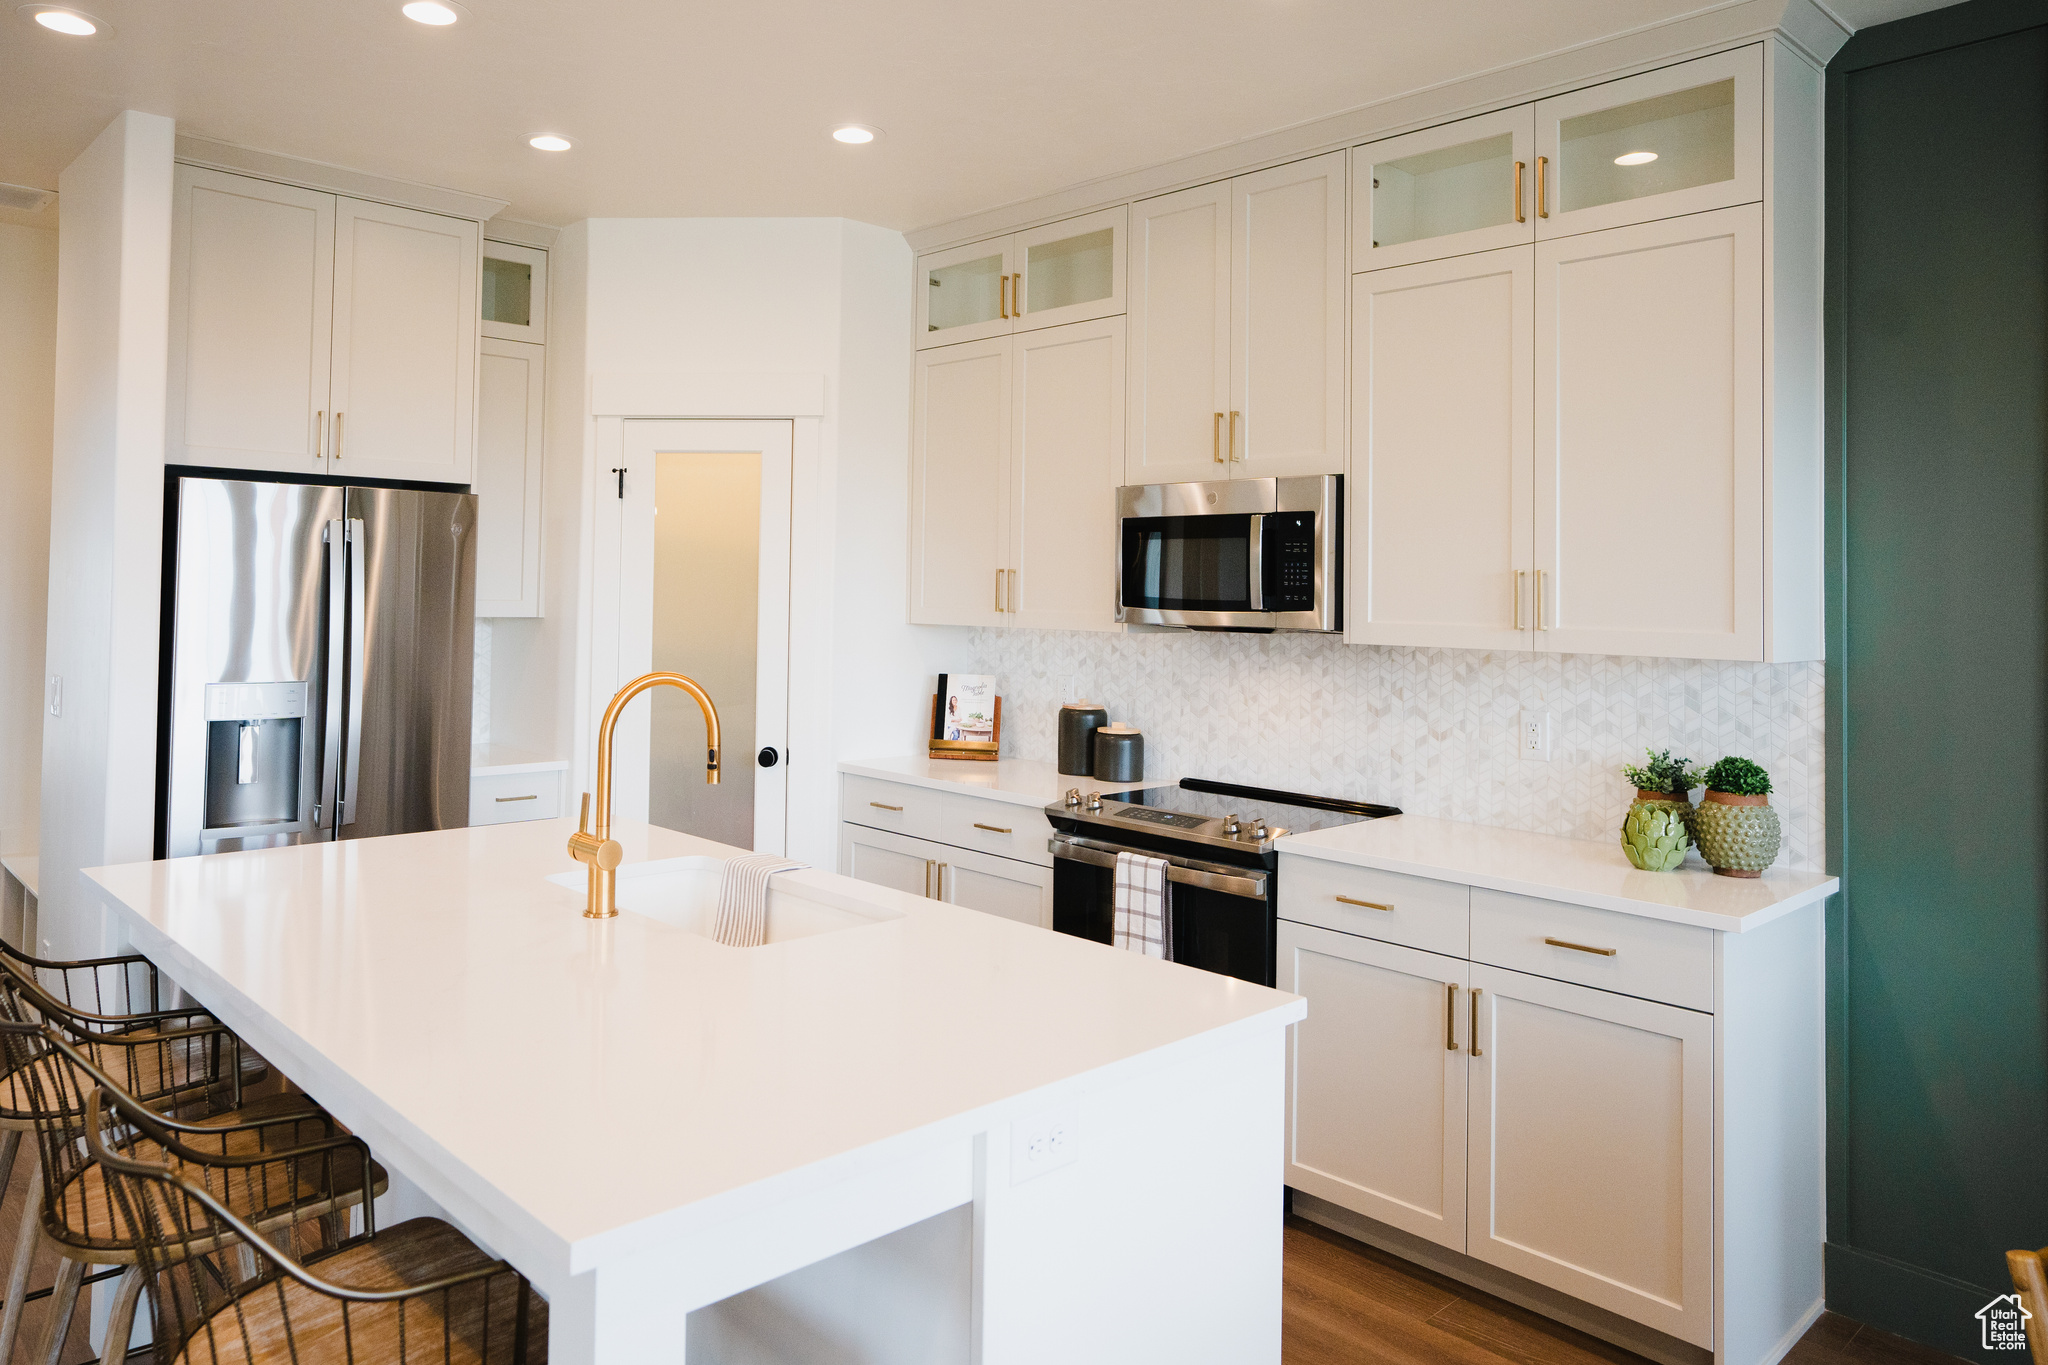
(417, 1294)
(172, 1067)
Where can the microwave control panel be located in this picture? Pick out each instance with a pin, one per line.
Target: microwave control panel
(1289, 568)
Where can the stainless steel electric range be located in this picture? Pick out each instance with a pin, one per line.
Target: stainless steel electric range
(1217, 839)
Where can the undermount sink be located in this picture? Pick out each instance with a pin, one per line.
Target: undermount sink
(683, 892)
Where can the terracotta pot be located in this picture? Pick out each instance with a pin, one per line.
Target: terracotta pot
(1735, 799)
(1645, 794)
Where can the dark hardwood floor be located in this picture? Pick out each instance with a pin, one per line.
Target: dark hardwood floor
(1351, 1304)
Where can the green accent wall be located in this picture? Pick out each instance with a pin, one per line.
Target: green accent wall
(1937, 665)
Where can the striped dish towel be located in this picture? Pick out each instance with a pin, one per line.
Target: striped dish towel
(743, 899)
(1144, 906)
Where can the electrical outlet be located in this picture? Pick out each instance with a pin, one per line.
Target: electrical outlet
(1532, 735)
(1044, 1142)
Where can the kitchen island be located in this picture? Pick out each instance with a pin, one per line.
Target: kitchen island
(987, 1142)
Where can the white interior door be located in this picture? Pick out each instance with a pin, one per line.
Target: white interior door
(702, 510)
(1440, 520)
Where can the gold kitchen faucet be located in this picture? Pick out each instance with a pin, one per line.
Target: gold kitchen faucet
(596, 847)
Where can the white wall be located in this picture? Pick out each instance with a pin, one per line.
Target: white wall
(28, 358)
(678, 297)
(106, 518)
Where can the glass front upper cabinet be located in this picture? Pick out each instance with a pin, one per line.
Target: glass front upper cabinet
(1070, 271)
(1444, 191)
(1683, 139)
(514, 296)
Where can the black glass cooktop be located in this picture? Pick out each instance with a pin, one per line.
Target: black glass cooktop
(1196, 802)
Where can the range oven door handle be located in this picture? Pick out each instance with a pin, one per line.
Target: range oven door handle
(1231, 881)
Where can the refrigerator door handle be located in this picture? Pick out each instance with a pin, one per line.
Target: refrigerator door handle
(356, 607)
(325, 813)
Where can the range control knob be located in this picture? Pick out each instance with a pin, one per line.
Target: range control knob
(1230, 825)
(1073, 796)
(1259, 828)
(1094, 800)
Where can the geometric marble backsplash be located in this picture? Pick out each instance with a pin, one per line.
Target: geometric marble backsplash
(1429, 730)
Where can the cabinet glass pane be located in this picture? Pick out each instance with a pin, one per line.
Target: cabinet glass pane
(1072, 270)
(1452, 189)
(964, 293)
(1654, 146)
(508, 292)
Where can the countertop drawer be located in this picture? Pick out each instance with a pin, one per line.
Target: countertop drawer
(1390, 906)
(502, 798)
(999, 827)
(1648, 958)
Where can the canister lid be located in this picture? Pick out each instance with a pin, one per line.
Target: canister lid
(1082, 706)
(1118, 729)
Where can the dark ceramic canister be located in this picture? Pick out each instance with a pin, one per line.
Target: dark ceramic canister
(1119, 754)
(1079, 720)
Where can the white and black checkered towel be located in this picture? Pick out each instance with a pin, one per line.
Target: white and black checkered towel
(1144, 906)
(743, 899)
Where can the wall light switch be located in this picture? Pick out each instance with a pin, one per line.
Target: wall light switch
(56, 691)
(1533, 735)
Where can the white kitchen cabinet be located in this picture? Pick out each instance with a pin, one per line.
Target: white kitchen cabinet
(1442, 465)
(1376, 1079)
(1048, 276)
(506, 785)
(252, 294)
(1650, 428)
(1237, 328)
(1699, 124)
(403, 383)
(1016, 456)
(318, 334)
(1445, 191)
(1592, 1147)
(511, 382)
(1006, 887)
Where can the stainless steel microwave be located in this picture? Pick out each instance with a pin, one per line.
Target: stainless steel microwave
(1249, 554)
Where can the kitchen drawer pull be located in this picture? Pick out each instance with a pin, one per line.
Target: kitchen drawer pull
(1476, 993)
(530, 796)
(1369, 905)
(1450, 1016)
(1581, 948)
(992, 829)
(879, 806)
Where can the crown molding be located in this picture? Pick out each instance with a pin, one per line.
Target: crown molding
(1812, 31)
(319, 175)
(519, 232)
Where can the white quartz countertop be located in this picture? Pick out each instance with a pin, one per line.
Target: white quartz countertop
(1580, 871)
(595, 1084)
(1019, 781)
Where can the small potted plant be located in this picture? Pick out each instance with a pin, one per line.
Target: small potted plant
(1735, 827)
(1656, 831)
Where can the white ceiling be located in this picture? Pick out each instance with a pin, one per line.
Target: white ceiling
(687, 107)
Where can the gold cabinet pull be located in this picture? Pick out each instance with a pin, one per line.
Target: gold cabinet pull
(992, 829)
(319, 433)
(1542, 199)
(1450, 1016)
(1013, 588)
(1216, 438)
(879, 806)
(1369, 905)
(1017, 295)
(928, 865)
(941, 879)
(1003, 296)
(1581, 947)
(999, 589)
(1476, 993)
(1539, 601)
(1520, 216)
(1233, 436)
(530, 796)
(337, 436)
(1520, 574)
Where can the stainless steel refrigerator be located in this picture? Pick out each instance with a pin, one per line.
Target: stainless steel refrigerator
(321, 641)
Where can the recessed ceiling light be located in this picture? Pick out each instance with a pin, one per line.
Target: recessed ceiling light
(855, 133)
(71, 22)
(548, 142)
(436, 13)
(1635, 158)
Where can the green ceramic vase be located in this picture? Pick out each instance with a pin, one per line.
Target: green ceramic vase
(1737, 835)
(1655, 833)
